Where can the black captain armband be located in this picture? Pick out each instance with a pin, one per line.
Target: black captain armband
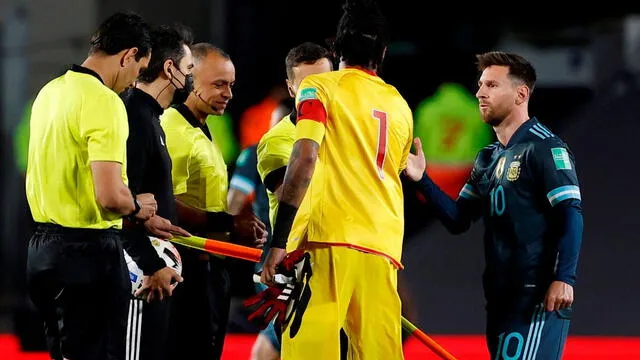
(283, 222)
(219, 221)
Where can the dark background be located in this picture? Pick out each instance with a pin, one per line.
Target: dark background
(597, 117)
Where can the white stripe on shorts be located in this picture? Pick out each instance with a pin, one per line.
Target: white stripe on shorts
(134, 329)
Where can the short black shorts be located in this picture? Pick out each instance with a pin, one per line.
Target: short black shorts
(78, 281)
(200, 308)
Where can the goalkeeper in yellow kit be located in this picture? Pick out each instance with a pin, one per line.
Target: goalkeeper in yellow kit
(274, 150)
(352, 139)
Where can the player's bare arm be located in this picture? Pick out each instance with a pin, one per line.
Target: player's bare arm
(296, 181)
(299, 171)
(278, 192)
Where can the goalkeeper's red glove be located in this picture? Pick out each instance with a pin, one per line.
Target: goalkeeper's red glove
(272, 303)
(290, 296)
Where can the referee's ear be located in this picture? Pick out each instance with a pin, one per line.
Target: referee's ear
(165, 68)
(128, 56)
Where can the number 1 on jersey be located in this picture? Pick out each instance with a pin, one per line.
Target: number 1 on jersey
(381, 153)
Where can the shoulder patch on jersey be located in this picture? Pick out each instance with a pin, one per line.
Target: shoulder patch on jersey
(561, 158)
(308, 94)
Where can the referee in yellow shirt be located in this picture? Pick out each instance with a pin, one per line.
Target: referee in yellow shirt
(77, 192)
(200, 309)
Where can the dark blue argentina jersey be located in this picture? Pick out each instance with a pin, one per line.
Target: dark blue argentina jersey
(515, 188)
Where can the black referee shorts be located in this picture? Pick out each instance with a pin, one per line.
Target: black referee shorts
(148, 329)
(78, 281)
(200, 309)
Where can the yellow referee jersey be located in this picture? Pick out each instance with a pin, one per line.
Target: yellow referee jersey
(274, 150)
(364, 128)
(75, 120)
(198, 168)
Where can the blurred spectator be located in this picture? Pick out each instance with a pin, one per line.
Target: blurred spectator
(221, 127)
(452, 132)
(255, 120)
(21, 140)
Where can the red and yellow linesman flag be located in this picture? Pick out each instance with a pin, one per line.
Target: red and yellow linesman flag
(426, 340)
(223, 248)
(217, 247)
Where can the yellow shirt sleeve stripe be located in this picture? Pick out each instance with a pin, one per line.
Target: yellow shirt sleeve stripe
(310, 129)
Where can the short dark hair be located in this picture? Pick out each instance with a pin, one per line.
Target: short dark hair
(362, 34)
(519, 67)
(122, 31)
(167, 43)
(305, 53)
(202, 50)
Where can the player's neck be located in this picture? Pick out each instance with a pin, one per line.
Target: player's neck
(159, 90)
(370, 68)
(192, 104)
(508, 126)
(104, 67)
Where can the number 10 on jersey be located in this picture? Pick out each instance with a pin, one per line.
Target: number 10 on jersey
(497, 201)
(381, 152)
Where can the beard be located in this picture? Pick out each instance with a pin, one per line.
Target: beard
(491, 117)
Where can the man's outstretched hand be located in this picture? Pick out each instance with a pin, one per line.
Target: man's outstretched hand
(416, 164)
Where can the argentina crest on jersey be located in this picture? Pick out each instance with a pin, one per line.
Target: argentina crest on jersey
(513, 173)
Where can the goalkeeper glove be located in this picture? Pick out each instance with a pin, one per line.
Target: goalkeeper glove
(290, 296)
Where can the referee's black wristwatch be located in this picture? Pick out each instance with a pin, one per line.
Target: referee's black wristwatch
(136, 210)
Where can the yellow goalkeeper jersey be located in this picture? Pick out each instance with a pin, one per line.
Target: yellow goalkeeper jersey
(364, 128)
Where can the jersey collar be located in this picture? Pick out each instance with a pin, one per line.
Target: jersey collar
(84, 70)
(192, 120)
(370, 72)
(522, 132)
